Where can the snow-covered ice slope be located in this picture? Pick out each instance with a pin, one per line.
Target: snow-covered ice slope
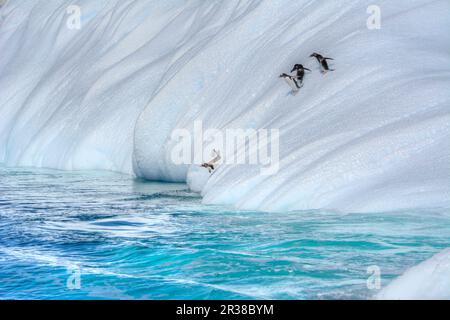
(428, 280)
(373, 135)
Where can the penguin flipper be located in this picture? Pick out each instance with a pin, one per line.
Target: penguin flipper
(296, 83)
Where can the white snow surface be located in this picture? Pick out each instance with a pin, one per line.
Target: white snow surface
(371, 136)
(429, 280)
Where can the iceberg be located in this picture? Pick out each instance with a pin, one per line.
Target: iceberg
(427, 281)
(108, 93)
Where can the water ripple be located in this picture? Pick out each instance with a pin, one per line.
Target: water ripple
(132, 239)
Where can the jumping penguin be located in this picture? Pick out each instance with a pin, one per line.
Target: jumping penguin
(211, 165)
(323, 62)
(291, 81)
(300, 72)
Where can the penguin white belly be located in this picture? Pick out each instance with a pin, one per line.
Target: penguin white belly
(291, 83)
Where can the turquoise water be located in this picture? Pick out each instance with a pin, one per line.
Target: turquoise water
(107, 236)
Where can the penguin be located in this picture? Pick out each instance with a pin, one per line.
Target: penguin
(291, 81)
(211, 165)
(300, 72)
(208, 166)
(323, 62)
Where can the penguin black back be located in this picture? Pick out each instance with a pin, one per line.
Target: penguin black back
(300, 71)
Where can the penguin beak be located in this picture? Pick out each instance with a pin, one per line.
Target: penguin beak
(293, 70)
(306, 69)
(312, 56)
